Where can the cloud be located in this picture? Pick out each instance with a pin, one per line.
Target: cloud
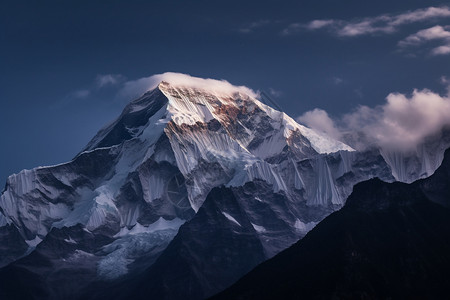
(337, 80)
(319, 120)
(275, 93)
(80, 94)
(420, 15)
(317, 24)
(251, 27)
(382, 24)
(435, 33)
(292, 28)
(77, 95)
(425, 35)
(108, 80)
(135, 88)
(401, 123)
(358, 92)
(441, 50)
(313, 25)
(125, 91)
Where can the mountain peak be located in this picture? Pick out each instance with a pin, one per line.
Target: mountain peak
(188, 101)
(211, 122)
(179, 80)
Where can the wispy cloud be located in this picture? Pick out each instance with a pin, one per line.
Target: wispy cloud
(317, 24)
(108, 80)
(96, 88)
(74, 96)
(435, 33)
(382, 24)
(275, 93)
(359, 92)
(292, 28)
(337, 80)
(425, 35)
(83, 93)
(251, 27)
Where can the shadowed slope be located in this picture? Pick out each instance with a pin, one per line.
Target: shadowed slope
(391, 240)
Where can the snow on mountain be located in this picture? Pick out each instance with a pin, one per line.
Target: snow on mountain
(204, 136)
(420, 162)
(145, 174)
(390, 240)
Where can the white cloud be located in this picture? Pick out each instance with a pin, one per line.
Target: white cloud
(319, 120)
(441, 50)
(401, 123)
(435, 33)
(425, 35)
(313, 25)
(421, 15)
(108, 80)
(384, 24)
(135, 88)
(317, 24)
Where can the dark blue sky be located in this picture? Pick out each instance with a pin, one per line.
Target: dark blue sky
(52, 54)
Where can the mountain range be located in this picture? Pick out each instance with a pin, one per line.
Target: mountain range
(191, 187)
(389, 241)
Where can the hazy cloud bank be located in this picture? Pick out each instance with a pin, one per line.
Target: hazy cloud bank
(402, 123)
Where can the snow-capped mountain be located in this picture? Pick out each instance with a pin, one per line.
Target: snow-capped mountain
(411, 163)
(243, 176)
(420, 162)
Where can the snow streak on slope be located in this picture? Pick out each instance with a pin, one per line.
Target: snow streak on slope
(229, 138)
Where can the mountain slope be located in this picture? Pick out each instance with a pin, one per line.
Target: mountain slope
(128, 174)
(235, 229)
(148, 172)
(391, 240)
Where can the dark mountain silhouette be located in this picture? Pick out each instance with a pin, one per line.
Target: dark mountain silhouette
(390, 241)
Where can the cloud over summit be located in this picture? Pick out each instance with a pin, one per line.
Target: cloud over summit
(137, 87)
